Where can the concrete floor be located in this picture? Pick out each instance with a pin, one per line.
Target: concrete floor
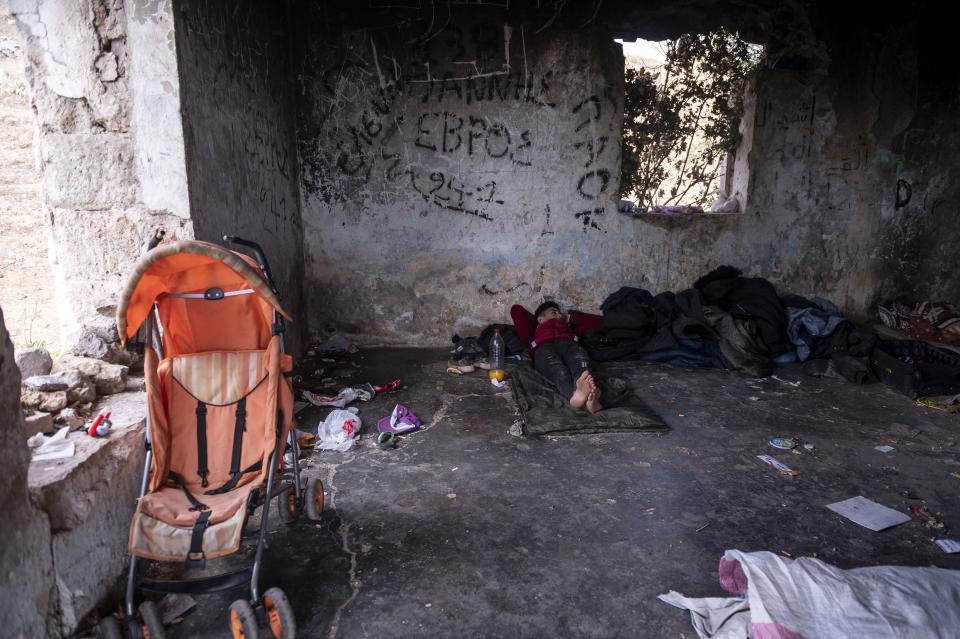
(467, 531)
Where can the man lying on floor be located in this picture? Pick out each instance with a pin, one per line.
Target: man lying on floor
(558, 357)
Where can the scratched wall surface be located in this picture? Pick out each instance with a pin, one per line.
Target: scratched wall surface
(448, 174)
(239, 132)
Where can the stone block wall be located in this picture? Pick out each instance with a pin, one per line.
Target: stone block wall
(103, 83)
(65, 521)
(88, 502)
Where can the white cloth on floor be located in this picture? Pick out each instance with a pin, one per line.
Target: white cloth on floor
(805, 597)
(716, 617)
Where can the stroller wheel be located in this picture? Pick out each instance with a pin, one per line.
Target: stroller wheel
(279, 614)
(108, 629)
(313, 499)
(152, 626)
(243, 620)
(287, 506)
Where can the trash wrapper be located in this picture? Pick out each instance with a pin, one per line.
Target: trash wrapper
(339, 430)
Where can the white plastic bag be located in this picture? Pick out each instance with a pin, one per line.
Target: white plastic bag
(339, 430)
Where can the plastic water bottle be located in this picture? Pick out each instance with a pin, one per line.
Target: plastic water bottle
(497, 353)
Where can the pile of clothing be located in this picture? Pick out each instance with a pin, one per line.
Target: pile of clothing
(729, 321)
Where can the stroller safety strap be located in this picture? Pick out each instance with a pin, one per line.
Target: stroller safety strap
(239, 427)
(196, 558)
(232, 482)
(202, 469)
(196, 504)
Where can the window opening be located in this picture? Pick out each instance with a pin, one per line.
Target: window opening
(683, 106)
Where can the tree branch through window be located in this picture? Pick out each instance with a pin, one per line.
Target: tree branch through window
(681, 120)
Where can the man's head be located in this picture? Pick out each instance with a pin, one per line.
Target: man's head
(547, 311)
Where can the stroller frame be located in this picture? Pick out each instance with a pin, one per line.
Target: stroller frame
(293, 496)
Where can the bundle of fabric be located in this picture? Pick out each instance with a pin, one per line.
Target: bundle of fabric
(810, 323)
(739, 322)
(729, 321)
(748, 298)
(844, 354)
(930, 321)
(636, 323)
(787, 599)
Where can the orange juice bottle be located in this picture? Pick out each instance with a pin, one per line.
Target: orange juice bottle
(497, 354)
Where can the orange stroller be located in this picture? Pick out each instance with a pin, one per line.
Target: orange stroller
(220, 416)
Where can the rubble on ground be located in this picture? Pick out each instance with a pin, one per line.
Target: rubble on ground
(33, 361)
(62, 392)
(108, 378)
(97, 339)
(38, 422)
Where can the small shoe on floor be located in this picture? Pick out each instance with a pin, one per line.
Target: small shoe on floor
(466, 347)
(460, 365)
(482, 362)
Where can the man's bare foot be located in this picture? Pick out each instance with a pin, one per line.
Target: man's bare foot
(593, 400)
(583, 389)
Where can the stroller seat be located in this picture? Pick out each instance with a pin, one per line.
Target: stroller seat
(162, 528)
(215, 404)
(170, 505)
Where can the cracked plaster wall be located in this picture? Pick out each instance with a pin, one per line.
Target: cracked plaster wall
(102, 78)
(449, 173)
(443, 169)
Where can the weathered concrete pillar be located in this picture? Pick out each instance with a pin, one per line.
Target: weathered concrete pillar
(27, 583)
(103, 81)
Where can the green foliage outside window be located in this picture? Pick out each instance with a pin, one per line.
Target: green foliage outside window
(680, 123)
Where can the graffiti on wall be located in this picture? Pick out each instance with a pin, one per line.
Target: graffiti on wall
(789, 126)
(595, 182)
(460, 134)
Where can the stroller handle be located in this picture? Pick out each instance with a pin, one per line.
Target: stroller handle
(258, 253)
(279, 325)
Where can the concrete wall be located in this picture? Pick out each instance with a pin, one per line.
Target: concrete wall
(238, 118)
(107, 148)
(446, 178)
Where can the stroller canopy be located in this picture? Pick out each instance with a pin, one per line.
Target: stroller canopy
(208, 298)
